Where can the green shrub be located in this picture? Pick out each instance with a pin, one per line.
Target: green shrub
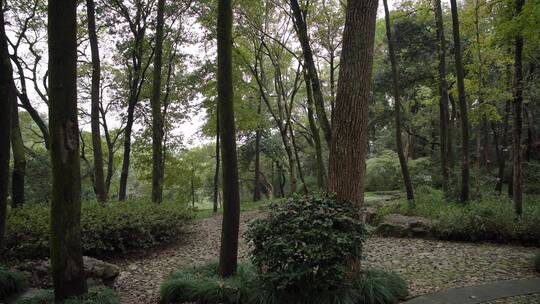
(377, 286)
(490, 218)
(305, 245)
(11, 282)
(114, 228)
(383, 172)
(537, 261)
(95, 295)
(203, 284)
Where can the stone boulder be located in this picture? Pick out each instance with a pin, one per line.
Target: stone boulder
(368, 215)
(97, 272)
(398, 225)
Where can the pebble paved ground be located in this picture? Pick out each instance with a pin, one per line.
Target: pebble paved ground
(427, 265)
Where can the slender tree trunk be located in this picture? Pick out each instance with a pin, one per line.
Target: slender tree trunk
(192, 185)
(501, 147)
(99, 183)
(350, 122)
(518, 120)
(65, 240)
(216, 175)
(462, 105)
(315, 134)
(297, 158)
(19, 157)
(228, 257)
(257, 177)
(127, 151)
(303, 37)
(444, 116)
(6, 91)
(397, 108)
(157, 122)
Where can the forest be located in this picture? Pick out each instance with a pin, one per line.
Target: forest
(270, 151)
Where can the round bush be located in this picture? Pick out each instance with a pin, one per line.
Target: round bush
(306, 245)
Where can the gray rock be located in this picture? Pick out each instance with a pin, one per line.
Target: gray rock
(398, 225)
(97, 272)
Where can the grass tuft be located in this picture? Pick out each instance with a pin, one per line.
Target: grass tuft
(377, 286)
(95, 295)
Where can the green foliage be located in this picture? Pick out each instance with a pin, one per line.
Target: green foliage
(537, 261)
(203, 284)
(11, 282)
(114, 228)
(304, 247)
(490, 218)
(95, 295)
(377, 286)
(383, 172)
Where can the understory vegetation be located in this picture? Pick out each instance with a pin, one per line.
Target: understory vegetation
(305, 251)
(537, 261)
(11, 282)
(107, 230)
(489, 218)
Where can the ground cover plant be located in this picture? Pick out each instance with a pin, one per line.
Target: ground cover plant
(11, 282)
(95, 295)
(110, 229)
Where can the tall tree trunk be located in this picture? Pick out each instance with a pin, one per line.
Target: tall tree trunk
(350, 122)
(228, 256)
(99, 182)
(303, 37)
(19, 157)
(216, 175)
(297, 158)
(397, 108)
(157, 122)
(444, 115)
(127, 151)
(257, 177)
(6, 90)
(315, 134)
(462, 105)
(518, 120)
(65, 240)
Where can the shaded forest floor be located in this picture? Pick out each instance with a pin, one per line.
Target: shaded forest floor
(427, 265)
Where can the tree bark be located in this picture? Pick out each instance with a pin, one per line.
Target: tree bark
(157, 121)
(228, 257)
(444, 115)
(518, 120)
(350, 122)
(216, 175)
(6, 80)
(397, 107)
(99, 182)
(65, 240)
(303, 37)
(462, 105)
(315, 134)
(19, 157)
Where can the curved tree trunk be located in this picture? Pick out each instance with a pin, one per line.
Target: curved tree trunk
(228, 255)
(315, 134)
(99, 182)
(6, 90)
(65, 241)
(350, 122)
(157, 121)
(19, 157)
(462, 105)
(303, 37)
(397, 108)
